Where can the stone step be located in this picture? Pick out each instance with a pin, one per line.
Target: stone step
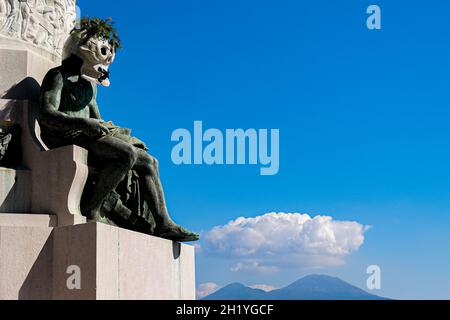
(93, 261)
(27, 220)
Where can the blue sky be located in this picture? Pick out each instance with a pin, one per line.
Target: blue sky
(364, 119)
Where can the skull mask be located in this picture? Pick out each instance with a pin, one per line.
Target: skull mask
(97, 54)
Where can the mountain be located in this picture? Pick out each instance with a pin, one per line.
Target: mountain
(314, 287)
(237, 291)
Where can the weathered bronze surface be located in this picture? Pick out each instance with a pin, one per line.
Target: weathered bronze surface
(124, 186)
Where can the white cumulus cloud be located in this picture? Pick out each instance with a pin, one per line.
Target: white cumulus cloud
(205, 289)
(252, 266)
(263, 287)
(273, 241)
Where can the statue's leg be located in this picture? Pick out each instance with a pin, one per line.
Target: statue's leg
(116, 158)
(25, 19)
(13, 17)
(147, 167)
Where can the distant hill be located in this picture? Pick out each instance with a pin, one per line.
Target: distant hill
(314, 287)
(237, 291)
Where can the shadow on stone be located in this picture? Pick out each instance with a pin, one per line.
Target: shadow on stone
(27, 89)
(39, 285)
(15, 197)
(176, 249)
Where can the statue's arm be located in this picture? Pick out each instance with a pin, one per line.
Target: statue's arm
(93, 106)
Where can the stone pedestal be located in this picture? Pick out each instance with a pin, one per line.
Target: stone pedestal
(38, 260)
(47, 181)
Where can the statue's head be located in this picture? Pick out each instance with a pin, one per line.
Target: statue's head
(95, 42)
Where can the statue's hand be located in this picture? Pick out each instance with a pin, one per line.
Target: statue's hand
(93, 128)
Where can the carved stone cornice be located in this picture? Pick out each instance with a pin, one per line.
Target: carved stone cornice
(44, 24)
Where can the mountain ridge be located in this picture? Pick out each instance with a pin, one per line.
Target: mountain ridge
(312, 287)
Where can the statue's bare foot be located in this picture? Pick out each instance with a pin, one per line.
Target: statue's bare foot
(176, 232)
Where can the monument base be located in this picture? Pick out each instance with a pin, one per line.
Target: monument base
(90, 261)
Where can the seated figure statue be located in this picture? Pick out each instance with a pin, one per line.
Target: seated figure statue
(124, 187)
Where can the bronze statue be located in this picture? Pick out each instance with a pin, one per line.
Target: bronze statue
(5, 139)
(124, 186)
